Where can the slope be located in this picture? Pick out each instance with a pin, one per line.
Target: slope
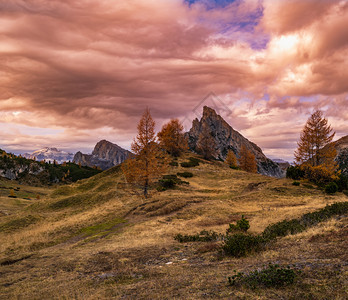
(98, 238)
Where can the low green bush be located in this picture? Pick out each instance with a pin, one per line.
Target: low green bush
(185, 174)
(193, 162)
(342, 183)
(273, 276)
(203, 236)
(331, 188)
(174, 163)
(296, 183)
(187, 164)
(161, 188)
(167, 183)
(293, 226)
(242, 225)
(282, 228)
(241, 244)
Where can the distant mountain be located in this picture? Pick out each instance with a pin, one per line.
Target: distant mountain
(227, 138)
(33, 172)
(105, 155)
(50, 154)
(282, 163)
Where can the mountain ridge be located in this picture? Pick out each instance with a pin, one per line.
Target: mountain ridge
(227, 138)
(50, 154)
(105, 155)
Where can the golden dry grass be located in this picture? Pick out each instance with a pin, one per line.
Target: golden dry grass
(98, 239)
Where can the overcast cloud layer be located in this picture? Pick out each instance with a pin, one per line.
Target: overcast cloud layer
(73, 72)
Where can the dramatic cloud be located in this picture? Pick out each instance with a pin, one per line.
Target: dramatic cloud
(73, 72)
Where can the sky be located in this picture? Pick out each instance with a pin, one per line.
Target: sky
(73, 72)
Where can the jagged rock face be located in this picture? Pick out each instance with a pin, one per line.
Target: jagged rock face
(105, 155)
(341, 146)
(227, 138)
(17, 170)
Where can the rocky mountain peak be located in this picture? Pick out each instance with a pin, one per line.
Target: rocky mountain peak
(227, 138)
(105, 155)
(50, 154)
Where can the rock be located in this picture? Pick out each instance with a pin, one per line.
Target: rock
(105, 155)
(341, 146)
(227, 138)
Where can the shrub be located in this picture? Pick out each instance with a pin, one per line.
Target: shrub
(242, 224)
(161, 188)
(241, 244)
(283, 228)
(293, 226)
(342, 183)
(331, 188)
(167, 183)
(294, 172)
(193, 162)
(296, 183)
(188, 164)
(185, 174)
(272, 276)
(203, 236)
(174, 163)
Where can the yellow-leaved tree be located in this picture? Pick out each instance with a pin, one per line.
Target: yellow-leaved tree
(313, 147)
(171, 138)
(149, 162)
(231, 159)
(247, 161)
(315, 152)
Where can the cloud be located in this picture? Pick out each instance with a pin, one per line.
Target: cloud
(93, 66)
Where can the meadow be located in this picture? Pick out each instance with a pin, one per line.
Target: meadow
(99, 238)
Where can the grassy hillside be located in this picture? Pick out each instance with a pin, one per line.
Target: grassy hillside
(98, 238)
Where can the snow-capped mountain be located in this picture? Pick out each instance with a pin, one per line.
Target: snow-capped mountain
(50, 154)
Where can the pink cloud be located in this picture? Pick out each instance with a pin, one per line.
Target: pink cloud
(83, 65)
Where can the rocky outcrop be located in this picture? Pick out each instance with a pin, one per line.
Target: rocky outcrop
(105, 155)
(341, 147)
(15, 171)
(227, 138)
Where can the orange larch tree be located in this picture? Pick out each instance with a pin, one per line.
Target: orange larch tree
(231, 159)
(313, 148)
(171, 138)
(247, 161)
(149, 161)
